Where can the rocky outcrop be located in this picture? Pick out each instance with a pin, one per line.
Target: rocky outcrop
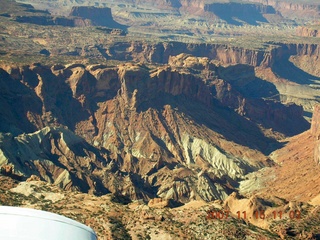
(262, 212)
(110, 219)
(287, 4)
(158, 203)
(315, 125)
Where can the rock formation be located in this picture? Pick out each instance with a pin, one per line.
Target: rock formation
(158, 203)
(145, 128)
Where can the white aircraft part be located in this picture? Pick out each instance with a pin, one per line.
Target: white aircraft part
(30, 224)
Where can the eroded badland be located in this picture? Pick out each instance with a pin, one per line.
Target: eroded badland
(147, 119)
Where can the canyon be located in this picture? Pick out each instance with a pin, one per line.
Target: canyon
(118, 110)
(142, 119)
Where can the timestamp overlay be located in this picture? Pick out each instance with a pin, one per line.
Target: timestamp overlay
(255, 215)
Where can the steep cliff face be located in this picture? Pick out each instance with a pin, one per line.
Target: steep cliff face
(291, 68)
(192, 4)
(160, 52)
(150, 132)
(80, 87)
(237, 87)
(226, 54)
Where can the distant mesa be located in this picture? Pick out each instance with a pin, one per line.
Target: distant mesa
(87, 15)
(78, 17)
(236, 13)
(239, 13)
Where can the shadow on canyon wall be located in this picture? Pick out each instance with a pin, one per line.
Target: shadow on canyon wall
(240, 13)
(219, 119)
(284, 68)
